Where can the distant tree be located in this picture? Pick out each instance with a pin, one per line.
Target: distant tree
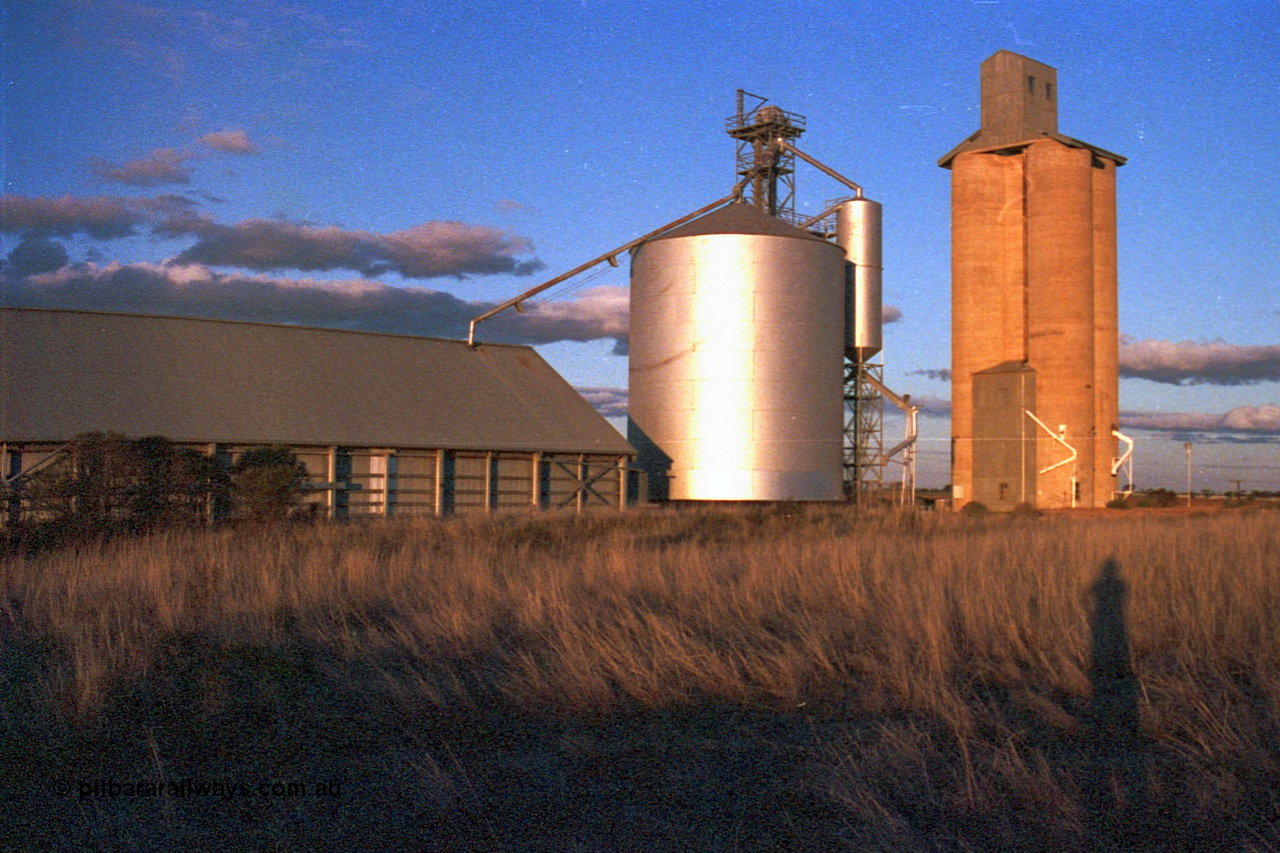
(267, 483)
(172, 484)
(103, 484)
(85, 492)
(153, 491)
(1026, 509)
(101, 478)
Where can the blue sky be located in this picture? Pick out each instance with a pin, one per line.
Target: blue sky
(400, 167)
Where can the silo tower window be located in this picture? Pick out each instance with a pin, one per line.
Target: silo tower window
(1048, 91)
(1031, 85)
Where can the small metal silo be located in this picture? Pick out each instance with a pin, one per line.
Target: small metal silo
(858, 232)
(736, 357)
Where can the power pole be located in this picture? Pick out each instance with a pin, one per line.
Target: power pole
(1187, 447)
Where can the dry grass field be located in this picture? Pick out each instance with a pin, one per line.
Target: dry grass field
(753, 678)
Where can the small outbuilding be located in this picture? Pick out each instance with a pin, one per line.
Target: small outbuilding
(383, 423)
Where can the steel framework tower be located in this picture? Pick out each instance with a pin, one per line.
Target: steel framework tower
(863, 431)
(771, 170)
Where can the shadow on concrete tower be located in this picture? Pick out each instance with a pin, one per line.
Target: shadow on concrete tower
(1034, 335)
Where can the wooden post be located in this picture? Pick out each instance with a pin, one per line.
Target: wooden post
(490, 484)
(535, 479)
(439, 490)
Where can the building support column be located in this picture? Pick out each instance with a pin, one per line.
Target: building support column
(392, 488)
(444, 482)
(535, 480)
(13, 473)
(490, 481)
(331, 477)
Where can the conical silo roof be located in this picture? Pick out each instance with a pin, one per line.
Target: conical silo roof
(738, 219)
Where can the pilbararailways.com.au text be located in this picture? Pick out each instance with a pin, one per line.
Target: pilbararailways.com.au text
(87, 789)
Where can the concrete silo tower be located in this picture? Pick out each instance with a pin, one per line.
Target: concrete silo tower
(1035, 382)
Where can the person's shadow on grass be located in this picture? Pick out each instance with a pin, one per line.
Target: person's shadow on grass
(1115, 782)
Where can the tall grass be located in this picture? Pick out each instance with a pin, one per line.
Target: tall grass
(951, 659)
(773, 607)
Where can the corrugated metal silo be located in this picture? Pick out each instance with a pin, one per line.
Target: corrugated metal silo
(737, 336)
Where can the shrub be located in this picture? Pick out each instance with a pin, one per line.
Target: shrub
(267, 483)
(171, 484)
(974, 509)
(105, 484)
(1158, 498)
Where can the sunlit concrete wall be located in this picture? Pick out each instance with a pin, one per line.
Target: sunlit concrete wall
(1034, 282)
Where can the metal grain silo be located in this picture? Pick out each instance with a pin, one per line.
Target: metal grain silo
(736, 357)
(858, 232)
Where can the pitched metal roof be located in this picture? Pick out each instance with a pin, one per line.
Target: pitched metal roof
(190, 380)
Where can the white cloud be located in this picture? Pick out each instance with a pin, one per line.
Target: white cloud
(1204, 363)
(1264, 419)
(162, 166)
(429, 250)
(609, 402)
(230, 142)
(196, 290)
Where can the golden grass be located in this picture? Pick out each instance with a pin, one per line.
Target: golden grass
(964, 645)
(771, 607)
